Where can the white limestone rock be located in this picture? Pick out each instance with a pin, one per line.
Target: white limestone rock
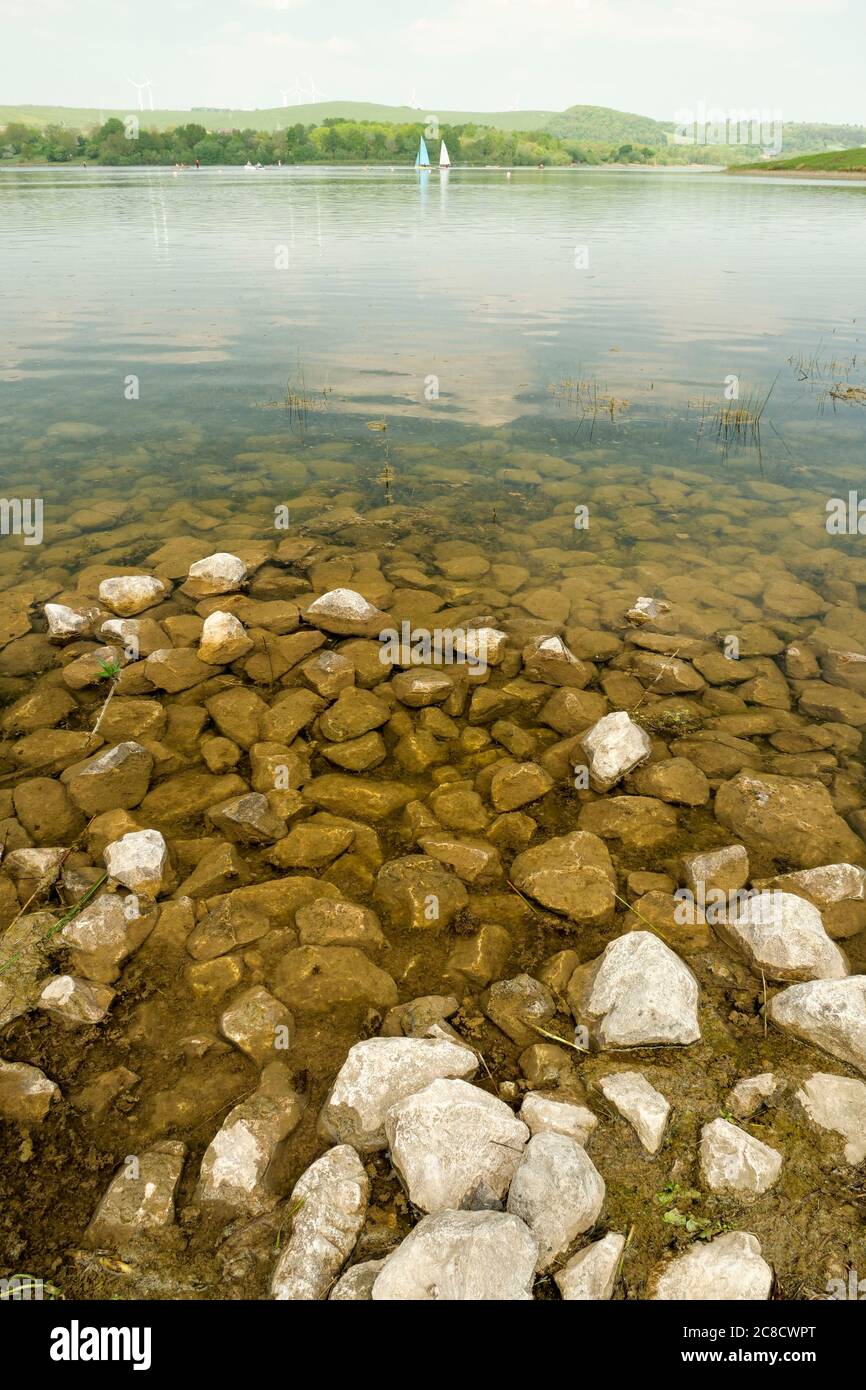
(557, 1191)
(454, 1145)
(237, 1160)
(65, 623)
(827, 884)
(783, 937)
(590, 1275)
(735, 1163)
(748, 1095)
(730, 1267)
(356, 1285)
(131, 593)
(480, 647)
(34, 866)
(830, 1014)
(837, 1103)
(640, 1103)
(545, 1115)
(646, 609)
(26, 1093)
(221, 573)
(138, 860)
(461, 1256)
(223, 639)
(73, 1002)
(329, 1202)
(379, 1072)
(140, 1200)
(346, 613)
(106, 932)
(637, 993)
(616, 745)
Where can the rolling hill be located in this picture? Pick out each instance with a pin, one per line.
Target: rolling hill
(594, 124)
(828, 162)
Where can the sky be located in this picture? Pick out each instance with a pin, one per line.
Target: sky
(802, 59)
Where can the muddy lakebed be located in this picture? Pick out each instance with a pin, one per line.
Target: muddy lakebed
(431, 848)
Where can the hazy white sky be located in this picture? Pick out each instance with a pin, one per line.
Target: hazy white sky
(802, 57)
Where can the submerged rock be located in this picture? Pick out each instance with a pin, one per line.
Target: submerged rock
(520, 1007)
(726, 869)
(140, 1200)
(139, 861)
(115, 779)
(319, 979)
(73, 1002)
(329, 1205)
(26, 1093)
(347, 613)
(570, 874)
(379, 1072)
(237, 1160)
(454, 1145)
(417, 893)
(223, 640)
(131, 594)
(615, 746)
(258, 1024)
(461, 1256)
(221, 573)
(787, 818)
(729, 1267)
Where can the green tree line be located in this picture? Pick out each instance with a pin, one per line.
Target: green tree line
(336, 140)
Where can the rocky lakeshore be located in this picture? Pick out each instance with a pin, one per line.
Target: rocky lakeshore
(390, 917)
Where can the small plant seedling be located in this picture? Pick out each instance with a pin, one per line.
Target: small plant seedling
(109, 670)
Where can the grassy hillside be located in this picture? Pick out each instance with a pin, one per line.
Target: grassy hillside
(601, 124)
(828, 162)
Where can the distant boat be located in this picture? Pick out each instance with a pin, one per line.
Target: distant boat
(422, 159)
(444, 157)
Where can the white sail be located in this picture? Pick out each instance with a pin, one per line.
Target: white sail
(444, 161)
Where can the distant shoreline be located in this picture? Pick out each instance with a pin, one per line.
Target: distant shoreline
(11, 164)
(826, 175)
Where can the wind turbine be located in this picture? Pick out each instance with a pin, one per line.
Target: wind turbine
(315, 94)
(141, 87)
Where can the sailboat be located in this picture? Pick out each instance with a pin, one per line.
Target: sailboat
(444, 157)
(422, 159)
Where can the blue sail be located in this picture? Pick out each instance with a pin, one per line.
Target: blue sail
(422, 159)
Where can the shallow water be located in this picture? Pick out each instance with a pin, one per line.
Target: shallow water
(508, 388)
